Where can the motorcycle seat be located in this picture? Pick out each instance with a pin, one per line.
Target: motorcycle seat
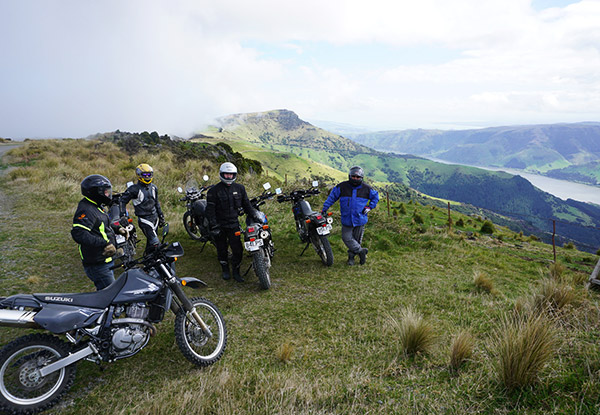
(96, 299)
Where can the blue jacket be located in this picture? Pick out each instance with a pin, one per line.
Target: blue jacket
(353, 201)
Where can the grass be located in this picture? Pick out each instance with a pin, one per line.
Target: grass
(321, 340)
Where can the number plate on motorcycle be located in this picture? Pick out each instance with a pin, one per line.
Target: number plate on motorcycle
(324, 230)
(120, 239)
(253, 245)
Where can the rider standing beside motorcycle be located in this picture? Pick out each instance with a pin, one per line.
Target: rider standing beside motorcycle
(356, 200)
(223, 203)
(144, 196)
(92, 231)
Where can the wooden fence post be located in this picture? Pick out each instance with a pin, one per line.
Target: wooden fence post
(449, 218)
(553, 243)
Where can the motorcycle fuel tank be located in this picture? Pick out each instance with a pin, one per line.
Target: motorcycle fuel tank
(139, 287)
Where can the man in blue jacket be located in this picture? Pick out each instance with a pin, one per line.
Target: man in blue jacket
(356, 200)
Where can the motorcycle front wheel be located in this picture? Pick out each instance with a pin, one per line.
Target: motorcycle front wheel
(195, 345)
(22, 388)
(260, 263)
(191, 227)
(323, 248)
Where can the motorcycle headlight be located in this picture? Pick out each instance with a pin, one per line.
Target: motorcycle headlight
(264, 234)
(329, 220)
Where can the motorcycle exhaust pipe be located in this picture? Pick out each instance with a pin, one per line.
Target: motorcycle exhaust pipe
(18, 318)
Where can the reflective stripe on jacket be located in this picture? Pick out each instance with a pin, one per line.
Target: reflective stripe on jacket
(92, 232)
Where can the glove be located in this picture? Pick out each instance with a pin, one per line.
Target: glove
(120, 252)
(323, 212)
(161, 221)
(215, 231)
(123, 231)
(109, 250)
(366, 210)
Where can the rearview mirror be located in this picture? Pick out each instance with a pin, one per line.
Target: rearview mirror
(315, 183)
(267, 186)
(205, 178)
(179, 189)
(278, 191)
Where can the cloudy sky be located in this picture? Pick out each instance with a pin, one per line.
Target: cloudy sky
(71, 68)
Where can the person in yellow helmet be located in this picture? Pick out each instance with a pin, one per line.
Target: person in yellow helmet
(144, 197)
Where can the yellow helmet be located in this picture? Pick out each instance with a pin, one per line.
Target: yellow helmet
(144, 173)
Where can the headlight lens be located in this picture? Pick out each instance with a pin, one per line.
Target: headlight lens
(330, 220)
(264, 234)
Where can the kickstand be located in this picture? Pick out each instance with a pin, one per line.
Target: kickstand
(203, 247)
(305, 248)
(248, 270)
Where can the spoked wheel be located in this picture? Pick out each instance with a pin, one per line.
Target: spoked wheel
(261, 263)
(191, 227)
(323, 248)
(193, 342)
(22, 388)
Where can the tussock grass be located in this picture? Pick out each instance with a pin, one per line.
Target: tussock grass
(285, 352)
(461, 349)
(414, 333)
(554, 295)
(483, 282)
(522, 346)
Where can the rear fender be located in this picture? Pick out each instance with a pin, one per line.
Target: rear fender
(192, 282)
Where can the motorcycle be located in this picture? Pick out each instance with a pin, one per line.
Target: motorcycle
(128, 242)
(258, 241)
(36, 370)
(311, 226)
(194, 219)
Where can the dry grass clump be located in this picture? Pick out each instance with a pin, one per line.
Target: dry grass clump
(554, 295)
(285, 352)
(556, 271)
(483, 282)
(522, 346)
(415, 334)
(461, 349)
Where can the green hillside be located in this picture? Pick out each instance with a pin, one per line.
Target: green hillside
(507, 195)
(321, 340)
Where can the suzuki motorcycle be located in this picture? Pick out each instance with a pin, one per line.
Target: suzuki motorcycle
(258, 241)
(312, 226)
(36, 370)
(194, 219)
(128, 242)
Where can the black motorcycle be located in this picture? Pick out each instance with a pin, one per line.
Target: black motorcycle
(312, 226)
(114, 323)
(194, 219)
(128, 242)
(258, 241)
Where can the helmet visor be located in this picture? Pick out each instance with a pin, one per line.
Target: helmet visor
(146, 175)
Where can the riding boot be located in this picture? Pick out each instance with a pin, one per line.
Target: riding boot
(362, 254)
(351, 258)
(225, 268)
(236, 274)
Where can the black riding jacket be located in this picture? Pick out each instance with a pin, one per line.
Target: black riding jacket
(144, 198)
(223, 203)
(91, 230)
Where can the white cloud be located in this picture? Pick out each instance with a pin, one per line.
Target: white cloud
(73, 68)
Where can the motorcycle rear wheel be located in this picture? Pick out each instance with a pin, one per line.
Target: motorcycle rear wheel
(22, 388)
(323, 248)
(260, 263)
(195, 345)
(191, 227)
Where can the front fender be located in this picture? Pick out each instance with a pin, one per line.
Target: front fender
(192, 282)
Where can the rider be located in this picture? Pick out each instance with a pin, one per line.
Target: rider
(356, 200)
(144, 196)
(91, 230)
(223, 203)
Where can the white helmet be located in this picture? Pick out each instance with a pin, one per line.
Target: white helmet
(228, 168)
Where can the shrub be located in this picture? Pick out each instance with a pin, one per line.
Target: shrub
(533, 238)
(522, 347)
(569, 245)
(402, 209)
(461, 349)
(460, 222)
(487, 227)
(417, 218)
(483, 283)
(415, 335)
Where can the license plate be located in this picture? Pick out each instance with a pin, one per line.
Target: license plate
(120, 239)
(253, 245)
(324, 230)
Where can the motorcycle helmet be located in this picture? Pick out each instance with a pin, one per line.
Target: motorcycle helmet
(97, 188)
(144, 173)
(228, 168)
(356, 175)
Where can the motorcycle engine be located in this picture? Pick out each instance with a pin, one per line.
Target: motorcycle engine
(129, 336)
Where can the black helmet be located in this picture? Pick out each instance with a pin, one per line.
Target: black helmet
(228, 168)
(97, 188)
(356, 175)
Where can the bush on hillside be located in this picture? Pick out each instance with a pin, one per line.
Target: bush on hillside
(487, 227)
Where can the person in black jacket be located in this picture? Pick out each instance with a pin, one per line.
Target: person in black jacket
(144, 196)
(223, 203)
(91, 230)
